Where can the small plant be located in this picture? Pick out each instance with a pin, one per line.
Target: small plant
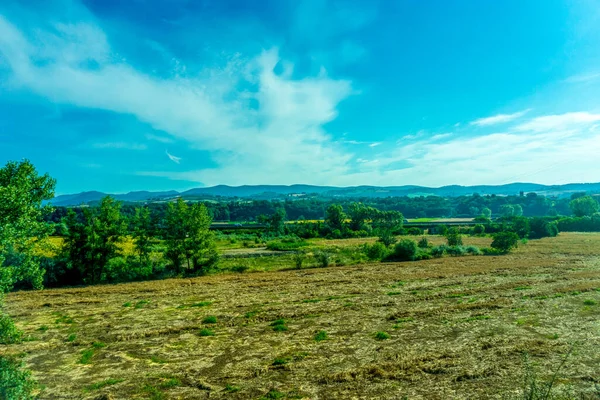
(102, 384)
(9, 333)
(127, 304)
(211, 319)
(86, 356)
(323, 258)
(98, 345)
(206, 332)
(231, 388)
(71, 337)
(43, 328)
(590, 302)
(382, 336)
(320, 336)
(15, 383)
(273, 394)
(170, 383)
(64, 319)
(158, 360)
(279, 361)
(423, 243)
(299, 258)
(202, 304)
(279, 325)
(141, 303)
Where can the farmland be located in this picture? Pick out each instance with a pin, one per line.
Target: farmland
(454, 327)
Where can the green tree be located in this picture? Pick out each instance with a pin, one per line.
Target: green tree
(335, 217)
(358, 213)
(583, 206)
(142, 229)
(517, 210)
(276, 221)
(486, 212)
(190, 244)
(385, 223)
(507, 210)
(93, 241)
(505, 241)
(453, 237)
(22, 228)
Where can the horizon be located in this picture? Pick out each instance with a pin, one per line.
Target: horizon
(121, 98)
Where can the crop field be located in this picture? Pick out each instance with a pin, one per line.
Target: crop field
(455, 327)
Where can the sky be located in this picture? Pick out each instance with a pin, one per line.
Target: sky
(160, 95)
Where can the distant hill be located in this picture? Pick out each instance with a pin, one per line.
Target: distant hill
(282, 191)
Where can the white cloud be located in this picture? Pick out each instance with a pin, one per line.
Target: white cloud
(120, 145)
(374, 144)
(561, 121)
(282, 139)
(498, 119)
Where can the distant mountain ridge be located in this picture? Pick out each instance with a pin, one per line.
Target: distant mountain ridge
(281, 191)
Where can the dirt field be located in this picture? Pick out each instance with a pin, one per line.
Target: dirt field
(447, 328)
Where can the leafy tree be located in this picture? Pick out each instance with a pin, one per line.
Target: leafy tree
(453, 237)
(520, 225)
(386, 238)
(92, 241)
(505, 241)
(405, 250)
(479, 229)
(507, 210)
(15, 383)
(486, 212)
(188, 238)
(335, 217)
(359, 215)
(517, 210)
(141, 232)
(540, 228)
(277, 221)
(22, 228)
(583, 206)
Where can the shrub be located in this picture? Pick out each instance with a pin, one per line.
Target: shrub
(206, 332)
(454, 238)
(382, 335)
(540, 228)
(505, 241)
(491, 252)
(15, 383)
(479, 230)
(322, 335)
(414, 231)
(323, 258)
(240, 269)
(423, 243)
(456, 251)
(9, 333)
(405, 250)
(377, 251)
(387, 238)
(439, 251)
(473, 250)
(299, 259)
(211, 319)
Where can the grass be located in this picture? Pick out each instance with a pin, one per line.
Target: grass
(103, 384)
(457, 337)
(382, 336)
(211, 319)
(320, 336)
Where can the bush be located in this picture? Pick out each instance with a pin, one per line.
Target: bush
(479, 230)
(387, 238)
(423, 243)
(414, 231)
(405, 250)
(473, 250)
(9, 333)
(126, 269)
(439, 251)
(299, 259)
(491, 252)
(541, 227)
(286, 244)
(456, 251)
(15, 384)
(377, 251)
(454, 238)
(505, 241)
(323, 258)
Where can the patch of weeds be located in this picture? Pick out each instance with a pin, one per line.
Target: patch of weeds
(86, 356)
(552, 337)
(154, 393)
(575, 293)
(102, 384)
(211, 319)
(206, 332)
(590, 302)
(279, 325)
(43, 328)
(540, 298)
(127, 304)
(141, 303)
(64, 319)
(251, 314)
(98, 345)
(71, 337)
(382, 336)
(158, 360)
(401, 321)
(198, 304)
(456, 295)
(320, 336)
(523, 288)
(273, 394)
(521, 321)
(348, 304)
(477, 318)
(231, 388)
(394, 293)
(311, 300)
(170, 383)
(279, 361)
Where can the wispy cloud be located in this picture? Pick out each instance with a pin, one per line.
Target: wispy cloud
(374, 144)
(499, 119)
(120, 145)
(176, 160)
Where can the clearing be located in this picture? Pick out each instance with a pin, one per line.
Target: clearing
(457, 327)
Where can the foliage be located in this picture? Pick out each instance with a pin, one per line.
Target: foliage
(287, 244)
(405, 250)
(479, 230)
(15, 383)
(323, 258)
(505, 241)
(454, 238)
(377, 251)
(9, 333)
(583, 206)
(541, 227)
(386, 238)
(190, 244)
(141, 232)
(299, 258)
(22, 193)
(92, 241)
(335, 217)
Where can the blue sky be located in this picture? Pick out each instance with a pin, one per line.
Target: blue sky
(155, 95)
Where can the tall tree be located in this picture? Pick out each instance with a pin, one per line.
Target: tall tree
(583, 206)
(22, 195)
(90, 243)
(142, 229)
(190, 244)
(335, 217)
